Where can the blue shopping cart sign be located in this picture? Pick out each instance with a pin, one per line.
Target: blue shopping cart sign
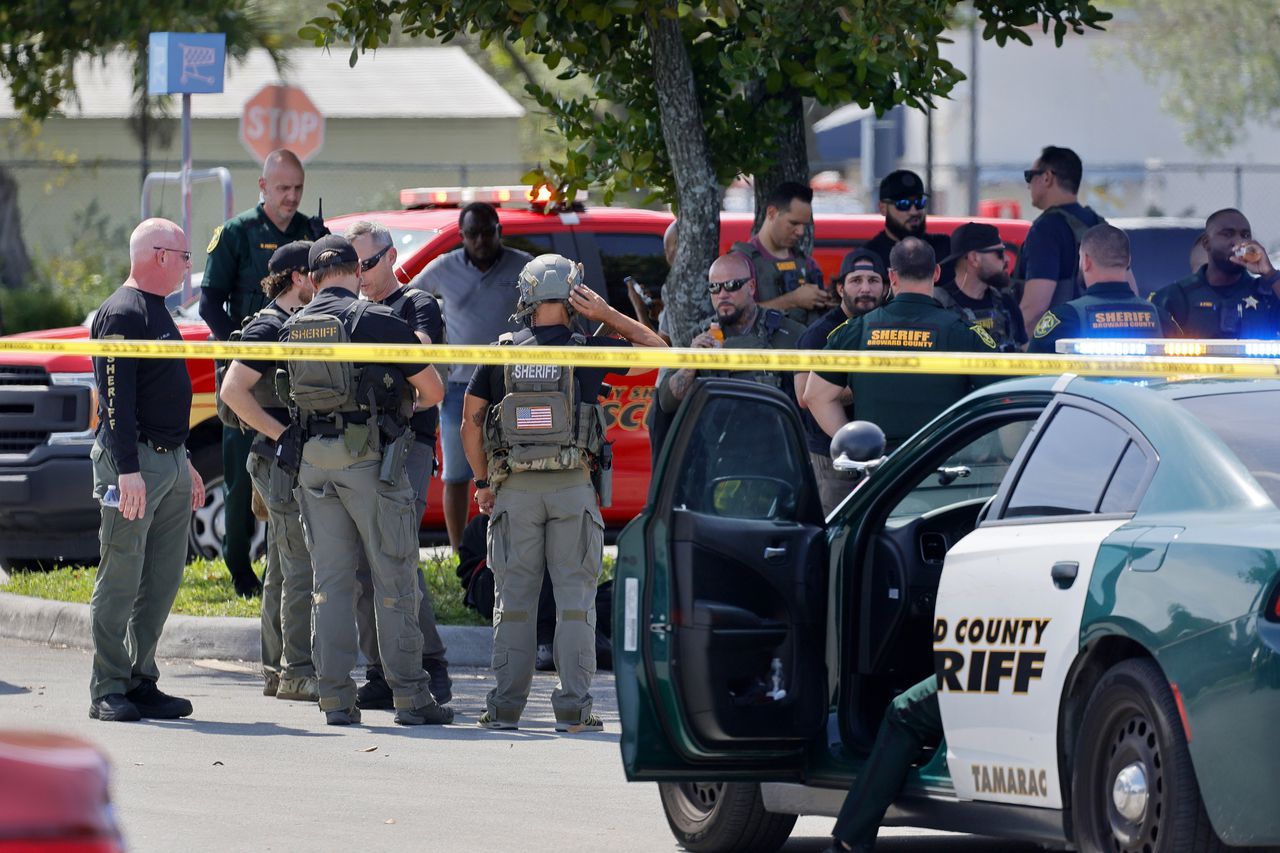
(180, 63)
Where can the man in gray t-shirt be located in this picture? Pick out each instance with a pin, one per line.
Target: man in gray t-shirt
(477, 288)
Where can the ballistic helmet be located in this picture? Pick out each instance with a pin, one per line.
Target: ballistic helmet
(546, 278)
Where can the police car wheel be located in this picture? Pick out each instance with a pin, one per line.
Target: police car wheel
(205, 532)
(1133, 787)
(706, 817)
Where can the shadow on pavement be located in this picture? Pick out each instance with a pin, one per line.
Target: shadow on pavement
(7, 689)
(256, 729)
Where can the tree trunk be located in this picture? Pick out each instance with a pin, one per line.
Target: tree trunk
(15, 264)
(790, 158)
(698, 194)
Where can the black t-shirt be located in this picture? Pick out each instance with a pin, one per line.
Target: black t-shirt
(378, 325)
(422, 312)
(266, 326)
(882, 244)
(815, 337)
(491, 387)
(139, 398)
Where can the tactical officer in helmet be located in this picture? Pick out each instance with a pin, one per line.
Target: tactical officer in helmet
(535, 438)
(354, 490)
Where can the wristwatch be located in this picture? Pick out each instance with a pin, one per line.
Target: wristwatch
(481, 484)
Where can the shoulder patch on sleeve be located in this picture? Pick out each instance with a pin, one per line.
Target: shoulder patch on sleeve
(213, 241)
(1047, 324)
(985, 335)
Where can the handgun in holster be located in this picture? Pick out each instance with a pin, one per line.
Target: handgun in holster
(602, 475)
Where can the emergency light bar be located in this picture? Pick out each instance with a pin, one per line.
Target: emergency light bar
(1167, 347)
(535, 197)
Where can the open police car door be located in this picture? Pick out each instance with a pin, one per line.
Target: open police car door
(720, 595)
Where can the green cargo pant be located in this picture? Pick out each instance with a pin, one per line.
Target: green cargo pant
(286, 584)
(912, 722)
(418, 465)
(347, 510)
(140, 569)
(544, 520)
(238, 522)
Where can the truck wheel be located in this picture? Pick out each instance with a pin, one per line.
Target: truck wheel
(204, 536)
(707, 817)
(1133, 787)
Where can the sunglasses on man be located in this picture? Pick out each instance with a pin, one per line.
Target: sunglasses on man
(372, 261)
(1030, 175)
(905, 204)
(477, 233)
(733, 285)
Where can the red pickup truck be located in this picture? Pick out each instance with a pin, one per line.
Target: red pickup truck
(47, 404)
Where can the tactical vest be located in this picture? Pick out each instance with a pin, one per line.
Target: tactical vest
(264, 390)
(992, 319)
(540, 424)
(324, 387)
(759, 337)
(1066, 289)
(775, 277)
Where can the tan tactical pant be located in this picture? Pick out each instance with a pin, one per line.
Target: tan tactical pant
(418, 467)
(140, 570)
(544, 520)
(286, 584)
(346, 511)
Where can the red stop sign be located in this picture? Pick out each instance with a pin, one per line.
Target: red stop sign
(281, 117)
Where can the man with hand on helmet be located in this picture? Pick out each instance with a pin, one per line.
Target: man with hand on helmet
(534, 435)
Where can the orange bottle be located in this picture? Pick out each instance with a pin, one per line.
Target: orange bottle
(716, 332)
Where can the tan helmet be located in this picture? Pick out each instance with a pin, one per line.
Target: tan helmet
(546, 278)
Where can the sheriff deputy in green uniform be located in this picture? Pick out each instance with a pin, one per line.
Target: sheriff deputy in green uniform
(1109, 307)
(740, 322)
(912, 321)
(534, 435)
(1233, 294)
(238, 255)
(354, 489)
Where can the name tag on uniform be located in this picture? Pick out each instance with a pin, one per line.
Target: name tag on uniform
(1204, 305)
(271, 246)
(899, 338)
(786, 265)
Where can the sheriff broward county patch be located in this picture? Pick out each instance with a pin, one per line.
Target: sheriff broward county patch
(1047, 324)
(213, 241)
(984, 335)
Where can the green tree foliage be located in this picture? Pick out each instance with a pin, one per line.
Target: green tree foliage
(703, 83)
(1219, 61)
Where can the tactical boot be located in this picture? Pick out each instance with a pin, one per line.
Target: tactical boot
(153, 704)
(304, 689)
(440, 684)
(114, 708)
(489, 721)
(427, 715)
(342, 717)
(375, 694)
(592, 723)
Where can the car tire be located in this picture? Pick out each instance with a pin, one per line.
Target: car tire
(204, 534)
(707, 817)
(1132, 737)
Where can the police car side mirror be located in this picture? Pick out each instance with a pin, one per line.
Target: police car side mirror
(858, 446)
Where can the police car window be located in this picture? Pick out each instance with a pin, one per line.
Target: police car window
(740, 462)
(1122, 491)
(1246, 423)
(639, 256)
(974, 471)
(1070, 466)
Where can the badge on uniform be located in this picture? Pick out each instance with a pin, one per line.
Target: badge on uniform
(1047, 324)
(213, 241)
(533, 417)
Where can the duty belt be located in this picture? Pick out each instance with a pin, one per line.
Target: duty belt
(326, 426)
(156, 446)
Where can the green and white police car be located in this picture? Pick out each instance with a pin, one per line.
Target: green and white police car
(1089, 566)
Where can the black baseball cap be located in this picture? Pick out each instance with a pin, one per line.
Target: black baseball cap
(290, 257)
(973, 236)
(862, 258)
(901, 184)
(329, 250)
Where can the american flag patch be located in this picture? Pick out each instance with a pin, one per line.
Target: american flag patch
(533, 417)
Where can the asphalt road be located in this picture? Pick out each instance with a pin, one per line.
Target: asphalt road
(247, 772)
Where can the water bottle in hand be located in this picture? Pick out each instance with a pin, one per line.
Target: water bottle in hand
(111, 497)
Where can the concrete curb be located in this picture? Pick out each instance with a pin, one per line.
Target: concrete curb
(60, 623)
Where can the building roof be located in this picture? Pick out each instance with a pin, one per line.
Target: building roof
(405, 82)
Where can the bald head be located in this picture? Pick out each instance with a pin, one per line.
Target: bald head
(669, 242)
(281, 186)
(158, 256)
(730, 266)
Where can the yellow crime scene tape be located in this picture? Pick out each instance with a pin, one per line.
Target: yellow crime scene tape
(623, 358)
